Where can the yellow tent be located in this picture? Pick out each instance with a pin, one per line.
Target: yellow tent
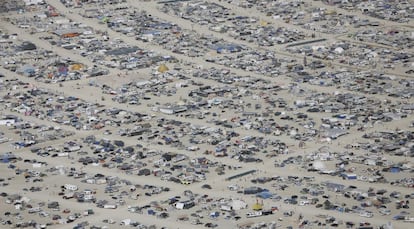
(105, 19)
(257, 206)
(330, 12)
(162, 68)
(263, 23)
(76, 67)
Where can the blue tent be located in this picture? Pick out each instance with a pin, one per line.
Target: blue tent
(151, 212)
(264, 195)
(349, 176)
(395, 169)
(7, 157)
(214, 214)
(227, 48)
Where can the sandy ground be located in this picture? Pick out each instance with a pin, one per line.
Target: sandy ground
(219, 184)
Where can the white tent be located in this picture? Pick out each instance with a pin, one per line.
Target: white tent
(339, 50)
(238, 204)
(126, 222)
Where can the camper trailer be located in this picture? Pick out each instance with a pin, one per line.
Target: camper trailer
(71, 187)
(185, 205)
(110, 206)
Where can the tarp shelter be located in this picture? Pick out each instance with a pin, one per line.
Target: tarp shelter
(162, 68)
(144, 172)
(63, 70)
(27, 46)
(27, 70)
(122, 51)
(70, 34)
(129, 149)
(119, 143)
(264, 195)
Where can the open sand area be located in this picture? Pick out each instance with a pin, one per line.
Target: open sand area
(176, 133)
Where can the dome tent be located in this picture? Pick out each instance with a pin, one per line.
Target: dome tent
(162, 68)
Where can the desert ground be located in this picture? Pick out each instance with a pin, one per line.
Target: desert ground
(21, 173)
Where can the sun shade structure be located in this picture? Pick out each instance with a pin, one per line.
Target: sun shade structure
(257, 206)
